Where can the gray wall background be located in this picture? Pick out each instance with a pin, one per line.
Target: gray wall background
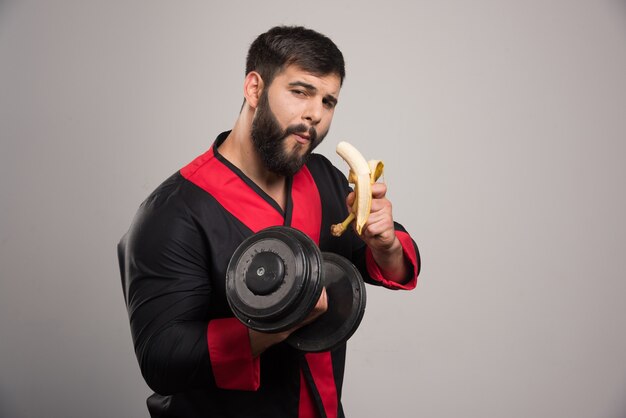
(503, 128)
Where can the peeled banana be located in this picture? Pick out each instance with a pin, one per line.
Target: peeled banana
(362, 174)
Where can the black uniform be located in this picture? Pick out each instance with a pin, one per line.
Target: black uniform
(192, 352)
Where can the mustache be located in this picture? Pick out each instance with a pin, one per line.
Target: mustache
(302, 129)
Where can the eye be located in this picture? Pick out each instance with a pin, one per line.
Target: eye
(328, 104)
(298, 92)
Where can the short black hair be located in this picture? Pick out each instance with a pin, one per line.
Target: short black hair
(281, 46)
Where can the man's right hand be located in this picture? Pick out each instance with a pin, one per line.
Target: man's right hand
(261, 341)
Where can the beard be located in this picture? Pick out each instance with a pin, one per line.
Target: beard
(269, 139)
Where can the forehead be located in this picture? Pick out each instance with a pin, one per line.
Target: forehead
(326, 84)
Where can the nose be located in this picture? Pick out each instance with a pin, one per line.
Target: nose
(313, 112)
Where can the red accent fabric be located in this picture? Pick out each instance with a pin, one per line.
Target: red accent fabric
(408, 250)
(210, 174)
(307, 205)
(321, 366)
(307, 217)
(306, 408)
(231, 355)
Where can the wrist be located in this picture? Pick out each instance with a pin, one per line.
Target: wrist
(261, 341)
(391, 261)
(384, 255)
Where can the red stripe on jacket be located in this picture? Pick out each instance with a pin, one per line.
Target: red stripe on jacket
(228, 340)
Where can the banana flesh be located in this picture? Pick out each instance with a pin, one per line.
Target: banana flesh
(362, 174)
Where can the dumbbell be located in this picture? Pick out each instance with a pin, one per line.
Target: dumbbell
(275, 278)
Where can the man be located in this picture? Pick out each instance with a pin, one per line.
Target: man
(193, 353)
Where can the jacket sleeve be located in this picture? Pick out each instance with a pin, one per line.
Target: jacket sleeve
(411, 258)
(164, 266)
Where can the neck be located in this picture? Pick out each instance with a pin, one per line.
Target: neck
(239, 149)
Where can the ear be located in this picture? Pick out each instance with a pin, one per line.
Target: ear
(252, 88)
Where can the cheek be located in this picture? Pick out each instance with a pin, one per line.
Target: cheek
(325, 124)
(286, 109)
(294, 111)
(285, 118)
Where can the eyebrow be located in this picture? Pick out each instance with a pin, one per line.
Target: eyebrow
(329, 97)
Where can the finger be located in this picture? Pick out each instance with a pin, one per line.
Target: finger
(379, 239)
(379, 205)
(350, 199)
(380, 216)
(322, 302)
(319, 309)
(379, 232)
(381, 226)
(379, 190)
(378, 222)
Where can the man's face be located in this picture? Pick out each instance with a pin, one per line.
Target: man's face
(292, 117)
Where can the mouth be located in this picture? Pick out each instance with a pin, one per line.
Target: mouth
(302, 138)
